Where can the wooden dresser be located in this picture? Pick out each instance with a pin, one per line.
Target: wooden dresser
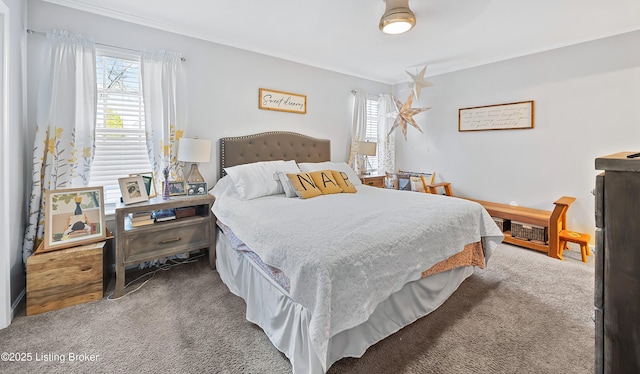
(617, 267)
(373, 180)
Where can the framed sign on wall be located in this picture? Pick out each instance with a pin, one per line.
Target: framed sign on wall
(282, 101)
(497, 117)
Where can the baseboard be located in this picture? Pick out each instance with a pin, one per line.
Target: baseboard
(16, 304)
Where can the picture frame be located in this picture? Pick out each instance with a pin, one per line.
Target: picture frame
(282, 101)
(133, 189)
(509, 116)
(74, 216)
(149, 183)
(195, 189)
(177, 188)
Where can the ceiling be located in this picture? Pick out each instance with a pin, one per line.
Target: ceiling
(343, 35)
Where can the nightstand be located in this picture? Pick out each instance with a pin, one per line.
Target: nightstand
(373, 180)
(135, 245)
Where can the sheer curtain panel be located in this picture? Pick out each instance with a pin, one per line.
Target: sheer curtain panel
(164, 93)
(65, 124)
(386, 143)
(358, 128)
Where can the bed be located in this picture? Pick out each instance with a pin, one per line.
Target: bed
(329, 276)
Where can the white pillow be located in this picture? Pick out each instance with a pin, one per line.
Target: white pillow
(256, 179)
(284, 181)
(328, 165)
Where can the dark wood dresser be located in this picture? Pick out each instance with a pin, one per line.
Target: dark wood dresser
(617, 272)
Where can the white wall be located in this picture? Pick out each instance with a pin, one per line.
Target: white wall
(223, 81)
(586, 99)
(12, 189)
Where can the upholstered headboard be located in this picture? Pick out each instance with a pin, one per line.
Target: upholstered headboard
(273, 145)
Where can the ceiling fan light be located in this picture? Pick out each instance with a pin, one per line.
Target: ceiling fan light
(397, 18)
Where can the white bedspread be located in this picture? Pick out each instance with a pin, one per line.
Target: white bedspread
(345, 253)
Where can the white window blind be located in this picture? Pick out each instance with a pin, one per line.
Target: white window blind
(371, 129)
(120, 142)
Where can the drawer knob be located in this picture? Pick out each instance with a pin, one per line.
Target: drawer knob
(170, 240)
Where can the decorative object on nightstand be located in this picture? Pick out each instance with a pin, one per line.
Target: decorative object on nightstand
(133, 189)
(166, 192)
(367, 149)
(194, 150)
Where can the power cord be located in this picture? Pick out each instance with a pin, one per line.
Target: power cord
(171, 263)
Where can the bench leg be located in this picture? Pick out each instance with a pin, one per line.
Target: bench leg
(562, 245)
(583, 252)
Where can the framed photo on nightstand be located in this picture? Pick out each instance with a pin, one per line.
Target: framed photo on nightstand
(177, 188)
(133, 189)
(196, 189)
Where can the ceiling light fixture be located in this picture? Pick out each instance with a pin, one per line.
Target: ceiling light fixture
(397, 17)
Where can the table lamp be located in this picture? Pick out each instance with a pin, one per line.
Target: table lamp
(194, 150)
(367, 149)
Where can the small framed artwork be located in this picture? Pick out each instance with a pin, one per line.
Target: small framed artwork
(149, 183)
(508, 116)
(73, 216)
(133, 189)
(177, 188)
(282, 101)
(196, 189)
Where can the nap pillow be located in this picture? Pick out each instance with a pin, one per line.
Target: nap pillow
(325, 182)
(304, 185)
(256, 179)
(328, 165)
(343, 181)
(282, 178)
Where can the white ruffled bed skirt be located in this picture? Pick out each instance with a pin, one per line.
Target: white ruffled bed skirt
(286, 322)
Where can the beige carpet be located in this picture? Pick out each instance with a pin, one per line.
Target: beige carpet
(525, 313)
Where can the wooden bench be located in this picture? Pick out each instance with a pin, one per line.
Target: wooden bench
(555, 221)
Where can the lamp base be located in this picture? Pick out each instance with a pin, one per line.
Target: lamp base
(194, 175)
(368, 167)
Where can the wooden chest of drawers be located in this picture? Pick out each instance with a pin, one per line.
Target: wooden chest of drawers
(373, 180)
(66, 277)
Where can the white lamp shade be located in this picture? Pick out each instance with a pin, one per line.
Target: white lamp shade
(367, 148)
(194, 150)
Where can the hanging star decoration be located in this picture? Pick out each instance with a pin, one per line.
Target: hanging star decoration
(418, 81)
(405, 115)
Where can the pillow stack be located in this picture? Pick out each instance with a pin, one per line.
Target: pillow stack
(305, 180)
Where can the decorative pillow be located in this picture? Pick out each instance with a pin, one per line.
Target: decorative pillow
(325, 182)
(343, 181)
(284, 181)
(256, 179)
(328, 165)
(304, 185)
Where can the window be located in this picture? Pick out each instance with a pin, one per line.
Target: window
(120, 142)
(371, 129)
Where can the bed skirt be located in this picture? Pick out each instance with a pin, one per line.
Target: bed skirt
(286, 322)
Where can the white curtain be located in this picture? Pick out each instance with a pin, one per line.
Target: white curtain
(386, 143)
(164, 93)
(65, 125)
(358, 128)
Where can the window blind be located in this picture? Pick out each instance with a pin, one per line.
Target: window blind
(120, 141)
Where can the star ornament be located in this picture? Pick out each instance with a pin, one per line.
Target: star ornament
(418, 81)
(405, 115)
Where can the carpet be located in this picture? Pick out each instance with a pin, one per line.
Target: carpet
(525, 313)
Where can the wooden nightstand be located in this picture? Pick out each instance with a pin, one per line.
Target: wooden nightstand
(139, 244)
(373, 180)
